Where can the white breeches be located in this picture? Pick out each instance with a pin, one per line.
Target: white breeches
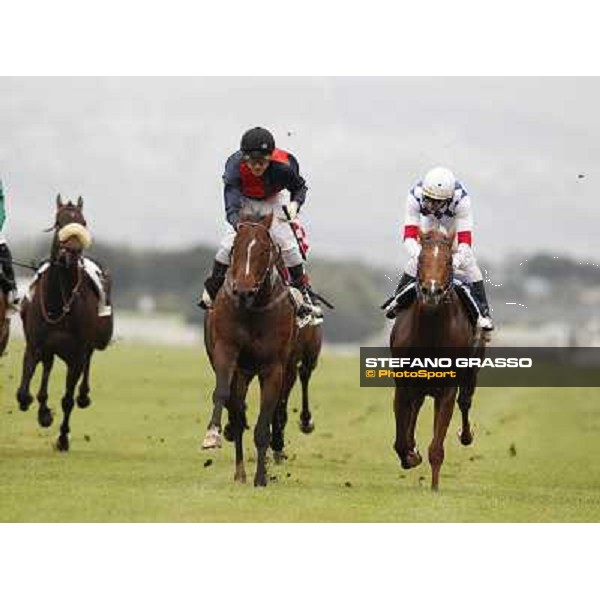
(281, 231)
(468, 270)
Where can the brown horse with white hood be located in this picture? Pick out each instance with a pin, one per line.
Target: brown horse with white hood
(61, 318)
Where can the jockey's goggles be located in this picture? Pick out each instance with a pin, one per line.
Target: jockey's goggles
(434, 202)
(259, 159)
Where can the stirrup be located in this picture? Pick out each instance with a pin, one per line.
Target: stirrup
(105, 311)
(485, 323)
(205, 301)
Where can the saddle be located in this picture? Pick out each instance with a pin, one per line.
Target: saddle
(95, 274)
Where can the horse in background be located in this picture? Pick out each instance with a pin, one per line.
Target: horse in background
(250, 331)
(437, 319)
(61, 318)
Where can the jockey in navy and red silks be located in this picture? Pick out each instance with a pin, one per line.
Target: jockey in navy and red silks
(440, 199)
(6, 257)
(256, 178)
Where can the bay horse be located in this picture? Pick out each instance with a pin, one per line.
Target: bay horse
(4, 321)
(250, 331)
(437, 319)
(60, 318)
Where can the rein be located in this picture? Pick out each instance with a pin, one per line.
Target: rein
(67, 304)
(273, 258)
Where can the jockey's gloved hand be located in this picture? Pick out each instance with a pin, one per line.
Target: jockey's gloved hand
(412, 247)
(292, 209)
(462, 256)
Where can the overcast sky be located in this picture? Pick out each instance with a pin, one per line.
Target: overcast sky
(147, 155)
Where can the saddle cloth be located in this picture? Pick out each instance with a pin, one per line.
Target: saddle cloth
(91, 268)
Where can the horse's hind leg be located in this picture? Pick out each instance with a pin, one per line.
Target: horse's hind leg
(306, 423)
(45, 417)
(444, 406)
(68, 402)
(83, 397)
(30, 361)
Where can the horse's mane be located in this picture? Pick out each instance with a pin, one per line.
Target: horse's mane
(438, 234)
(251, 216)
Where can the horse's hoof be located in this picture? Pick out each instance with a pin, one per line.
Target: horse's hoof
(24, 401)
(45, 417)
(212, 439)
(83, 401)
(412, 459)
(465, 437)
(62, 444)
(227, 433)
(307, 427)
(240, 475)
(279, 456)
(260, 481)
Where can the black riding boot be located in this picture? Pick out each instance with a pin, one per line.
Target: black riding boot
(299, 280)
(478, 292)
(213, 284)
(390, 303)
(7, 267)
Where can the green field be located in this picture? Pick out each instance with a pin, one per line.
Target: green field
(135, 452)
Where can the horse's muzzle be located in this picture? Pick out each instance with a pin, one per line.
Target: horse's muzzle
(431, 294)
(245, 295)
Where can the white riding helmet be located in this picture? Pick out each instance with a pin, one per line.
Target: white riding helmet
(439, 184)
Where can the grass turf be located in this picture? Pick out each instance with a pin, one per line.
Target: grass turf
(135, 452)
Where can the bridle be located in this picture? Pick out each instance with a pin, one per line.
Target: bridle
(450, 281)
(54, 261)
(274, 252)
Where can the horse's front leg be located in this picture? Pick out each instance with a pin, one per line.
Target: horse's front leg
(45, 417)
(443, 408)
(83, 397)
(237, 421)
(280, 415)
(306, 422)
(224, 363)
(30, 361)
(74, 370)
(271, 384)
(404, 400)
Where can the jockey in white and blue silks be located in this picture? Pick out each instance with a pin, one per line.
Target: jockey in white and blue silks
(441, 200)
(6, 265)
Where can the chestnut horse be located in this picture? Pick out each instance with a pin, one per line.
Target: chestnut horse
(250, 331)
(437, 319)
(61, 319)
